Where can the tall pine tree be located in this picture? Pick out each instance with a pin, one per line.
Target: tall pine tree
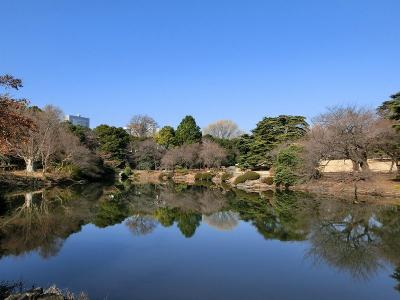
(188, 132)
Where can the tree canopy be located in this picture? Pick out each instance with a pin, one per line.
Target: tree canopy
(142, 126)
(188, 132)
(390, 109)
(270, 132)
(166, 137)
(223, 129)
(113, 141)
(14, 124)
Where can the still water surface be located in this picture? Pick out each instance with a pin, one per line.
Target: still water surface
(182, 242)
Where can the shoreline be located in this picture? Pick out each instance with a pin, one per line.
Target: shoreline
(10, 181)
(380, 188)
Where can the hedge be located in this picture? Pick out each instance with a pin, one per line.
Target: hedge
(247, 176)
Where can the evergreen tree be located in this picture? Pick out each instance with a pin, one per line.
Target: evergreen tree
(270, 132)
(391, 109)
(188, 132)
(287, 165)
(113, 141)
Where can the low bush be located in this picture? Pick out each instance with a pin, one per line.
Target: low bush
(203, 177)
(182, 171)
(247, 176)
(225, 177)
(127, 171)
(268, 180)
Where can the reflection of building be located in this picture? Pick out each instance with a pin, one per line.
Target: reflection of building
(78, 120)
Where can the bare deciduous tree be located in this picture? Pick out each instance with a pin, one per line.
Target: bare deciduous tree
(386, 142)
(207, 154)
(223, 129)
(344, 133)
(211, 154)
(147, 154)
(42, 141)
(170, 159)
(49, 128)
(190, 155)
(142, 126)
(52, 141)
(29, 149)
(184, 156)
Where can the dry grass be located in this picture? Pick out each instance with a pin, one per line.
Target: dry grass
(335, 166)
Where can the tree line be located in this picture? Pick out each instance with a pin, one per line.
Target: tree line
(288, 145)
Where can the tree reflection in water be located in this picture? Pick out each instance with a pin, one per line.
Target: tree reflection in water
(358, 239)
(224, 220)
(348, 243)
(141, 225)
(41, 221)
(396, 276)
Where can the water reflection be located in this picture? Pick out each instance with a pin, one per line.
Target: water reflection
(356, 239)
(223, 220)
(141, 225)
(41, 220)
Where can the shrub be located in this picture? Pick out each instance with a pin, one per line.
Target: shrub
(225, 177)
(181, 171)
(247, 176)
(127, 171)
(268, 180)
(165, 176)
(285, 176)
(203, 177)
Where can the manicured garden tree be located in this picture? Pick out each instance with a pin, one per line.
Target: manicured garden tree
(188, 132)
(256, 150)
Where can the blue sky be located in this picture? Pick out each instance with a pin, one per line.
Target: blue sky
(213, 59)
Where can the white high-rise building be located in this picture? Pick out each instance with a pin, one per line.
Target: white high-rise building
(78, 120)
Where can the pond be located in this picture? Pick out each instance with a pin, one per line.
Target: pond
(194, 242)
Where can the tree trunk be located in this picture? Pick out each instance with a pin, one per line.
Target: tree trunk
(364, 162)
(392, 166)
(356, 166)
(364, 165)
(30, 168)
